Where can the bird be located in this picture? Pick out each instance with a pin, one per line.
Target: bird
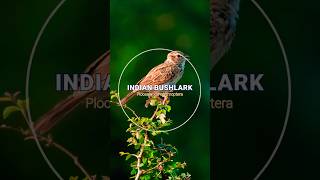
(223, 21)
(52, 117)
(167, 73)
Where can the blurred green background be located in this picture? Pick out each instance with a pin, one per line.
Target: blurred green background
(242, 139)
(177, 25)
(76, 36)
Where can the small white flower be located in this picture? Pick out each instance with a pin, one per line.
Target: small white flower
(162, 118)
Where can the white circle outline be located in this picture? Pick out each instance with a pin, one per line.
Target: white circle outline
(284, 54)
(30, 122)
(29, 119)
(159, 49)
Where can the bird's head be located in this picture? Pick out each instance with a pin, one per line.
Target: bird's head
(176, 57)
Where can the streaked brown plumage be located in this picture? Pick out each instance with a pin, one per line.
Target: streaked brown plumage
(169, 72)
(223, 26)
(64, 107)
(224, 14)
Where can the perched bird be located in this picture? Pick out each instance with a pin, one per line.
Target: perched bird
(167, 73)
(62, 108)
(224, 14)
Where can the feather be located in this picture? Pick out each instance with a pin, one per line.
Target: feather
(224, 15)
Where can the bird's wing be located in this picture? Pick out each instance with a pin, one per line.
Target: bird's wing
(99, 65)
(160, 74)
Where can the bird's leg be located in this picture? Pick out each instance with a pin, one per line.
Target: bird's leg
(165, 99)
(155, 113)
(159, 98)
(147, 102)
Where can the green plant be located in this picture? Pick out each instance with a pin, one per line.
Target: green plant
(151, 159)
(19, 105)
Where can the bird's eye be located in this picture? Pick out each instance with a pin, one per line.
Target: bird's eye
(179, 55)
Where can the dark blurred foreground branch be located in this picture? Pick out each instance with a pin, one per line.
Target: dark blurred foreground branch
(49, 142)
(20, 106)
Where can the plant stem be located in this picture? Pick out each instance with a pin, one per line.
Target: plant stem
(20, 131)
(155, 113)
(50, 142)
(139, 157)
(125, 107)
(75, 159)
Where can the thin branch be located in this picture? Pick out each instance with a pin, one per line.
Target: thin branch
(163, 103)
(75, 159)
(140, 172)
(160, 163)
(49, 142)
(155, 167)
(155, 113)
(17, 130)
(136, 156)
(125, 107)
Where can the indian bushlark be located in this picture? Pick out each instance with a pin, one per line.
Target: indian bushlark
(167, 73)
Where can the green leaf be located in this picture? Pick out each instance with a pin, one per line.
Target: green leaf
(21, 104)
(8, 110)
(73, 178)
(133, 171)
(154, 133)
(123, 153)
(144, 160)
(168, 108)
(153, 102)
(146, 177)
(114, 97)
(128, 156)
(136, 147)
(151, 154)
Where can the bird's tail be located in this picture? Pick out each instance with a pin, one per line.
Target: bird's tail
(58, 112)
(128, 97)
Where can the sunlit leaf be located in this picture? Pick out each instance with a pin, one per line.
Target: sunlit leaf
(73, 178)
(9, 110)
(128, 156)
(21, 104)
